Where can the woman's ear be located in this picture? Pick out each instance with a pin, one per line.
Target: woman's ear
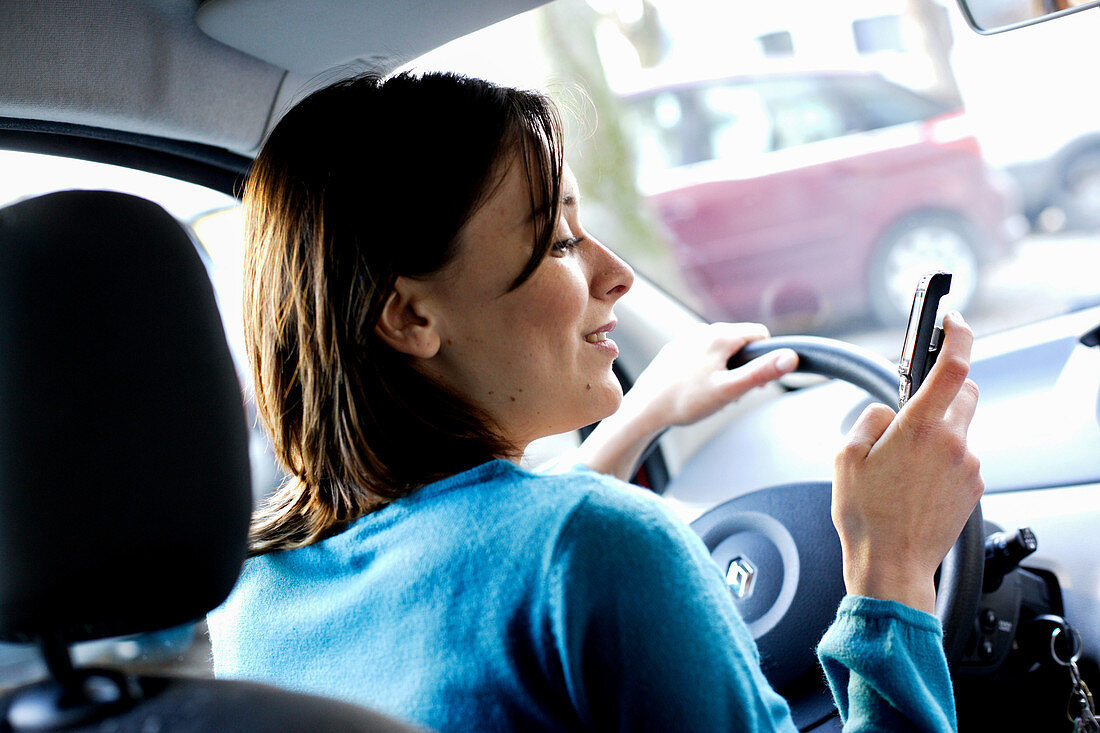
(405, 325)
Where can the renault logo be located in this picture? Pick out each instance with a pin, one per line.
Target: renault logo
(741, 576)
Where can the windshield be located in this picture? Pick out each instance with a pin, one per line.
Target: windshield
(803, 164)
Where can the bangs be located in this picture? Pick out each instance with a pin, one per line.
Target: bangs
(538, 132)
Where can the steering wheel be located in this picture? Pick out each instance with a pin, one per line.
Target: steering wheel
(781, 553)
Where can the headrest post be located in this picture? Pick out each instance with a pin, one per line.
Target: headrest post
(59, 662)
(72, 697)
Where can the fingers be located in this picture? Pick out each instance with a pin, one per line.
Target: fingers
(870, 426)
(760, 371)
(950, 371)
(961, 411)
(729, 338)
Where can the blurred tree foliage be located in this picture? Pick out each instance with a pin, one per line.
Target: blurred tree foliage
(646, 34)
(599, 146)
(929, 20)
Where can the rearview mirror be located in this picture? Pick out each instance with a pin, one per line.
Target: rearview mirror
(994, 16)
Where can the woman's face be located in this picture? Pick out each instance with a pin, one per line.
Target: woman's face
(537, 359)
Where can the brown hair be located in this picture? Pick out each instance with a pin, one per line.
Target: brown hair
(364, 181)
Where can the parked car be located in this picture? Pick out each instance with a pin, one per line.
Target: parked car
(808, 197)
(188, 90)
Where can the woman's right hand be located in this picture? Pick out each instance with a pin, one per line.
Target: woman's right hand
(905, 484)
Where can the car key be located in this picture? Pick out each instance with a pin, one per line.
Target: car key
(1081, 709)
(922, 337)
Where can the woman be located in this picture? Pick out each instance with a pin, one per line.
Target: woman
(423, 302)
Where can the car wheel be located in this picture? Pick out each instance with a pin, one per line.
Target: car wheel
(1080, 195)
(915, 246)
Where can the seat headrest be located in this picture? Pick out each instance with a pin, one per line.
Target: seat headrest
(124, 476)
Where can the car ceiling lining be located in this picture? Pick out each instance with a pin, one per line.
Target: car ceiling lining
(310, 37)
(141, 66)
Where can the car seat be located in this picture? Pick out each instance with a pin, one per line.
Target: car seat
(124, 476)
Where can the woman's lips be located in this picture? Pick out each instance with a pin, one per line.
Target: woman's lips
(600, 334)
(600, 339)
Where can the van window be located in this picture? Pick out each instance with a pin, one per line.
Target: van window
(776, 44)
(878, 34)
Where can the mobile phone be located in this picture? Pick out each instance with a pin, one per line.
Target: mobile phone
(923, 337)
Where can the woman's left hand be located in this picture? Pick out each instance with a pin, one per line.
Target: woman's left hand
(686, 382)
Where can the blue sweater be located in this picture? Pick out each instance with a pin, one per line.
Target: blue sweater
(500, 599)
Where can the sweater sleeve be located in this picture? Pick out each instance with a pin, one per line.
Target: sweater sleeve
(886, 668)
(644, 631)
(647, 637)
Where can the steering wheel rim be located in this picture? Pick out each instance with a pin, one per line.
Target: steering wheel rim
(960, 575)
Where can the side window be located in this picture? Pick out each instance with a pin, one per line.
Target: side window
(802, 111)
(655, 122)
(674, 128)
(31, 174)
(740, 124)
(873, 102)
(732, 121)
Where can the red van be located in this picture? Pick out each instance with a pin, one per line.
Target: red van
(801, 199)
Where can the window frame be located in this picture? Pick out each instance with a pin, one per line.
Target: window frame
(214, 168)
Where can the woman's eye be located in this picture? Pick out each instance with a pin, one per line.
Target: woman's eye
(564, 245)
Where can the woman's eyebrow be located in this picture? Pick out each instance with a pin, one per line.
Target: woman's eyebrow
(569, 199)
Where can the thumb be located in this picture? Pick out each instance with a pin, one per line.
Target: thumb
(870, 426)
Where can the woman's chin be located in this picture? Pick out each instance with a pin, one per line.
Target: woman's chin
(595, 401)
(602, 400)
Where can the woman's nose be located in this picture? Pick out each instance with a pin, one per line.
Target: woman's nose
(610, 276)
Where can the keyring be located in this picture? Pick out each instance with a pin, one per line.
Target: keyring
(1076, 646)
